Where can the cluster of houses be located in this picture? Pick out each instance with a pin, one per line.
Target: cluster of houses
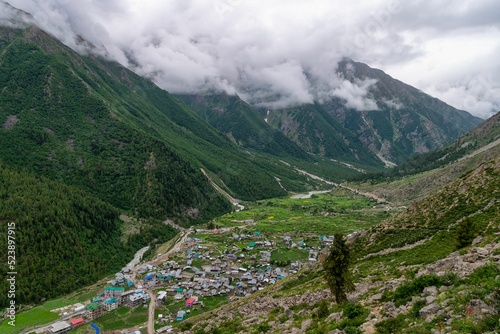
(110, 299)
(221, 275)
(113, 297)
(227, 274)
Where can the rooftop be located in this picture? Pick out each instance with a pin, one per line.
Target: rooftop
(92, 306)
(60, 325)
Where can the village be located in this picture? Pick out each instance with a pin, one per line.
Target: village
(233, 266)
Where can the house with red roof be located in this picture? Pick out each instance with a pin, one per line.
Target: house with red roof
(77, 322)
(190, 301)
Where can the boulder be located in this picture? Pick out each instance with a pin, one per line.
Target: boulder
(429, 312)
(337, 316)
(305, 324)
(479, 309)
(478, 240)
(430, 291)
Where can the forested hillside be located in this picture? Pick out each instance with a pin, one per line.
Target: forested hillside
(64, 237)
(242, 124)
(89, 121)
(55, 124)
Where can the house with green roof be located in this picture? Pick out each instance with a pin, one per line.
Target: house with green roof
(114, 291)
(110, 304)
(93, 311)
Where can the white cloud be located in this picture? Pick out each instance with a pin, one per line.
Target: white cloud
(285, 51)
(356, 94)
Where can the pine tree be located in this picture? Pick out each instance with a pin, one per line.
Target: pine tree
(466, 232)
(336, 267)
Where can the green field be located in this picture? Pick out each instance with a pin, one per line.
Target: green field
(120, 318)
(35, 317)
(172, 306)
(41, 315)
(292, 255)
(322, 214)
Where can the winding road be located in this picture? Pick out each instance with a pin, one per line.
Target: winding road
(152, 300)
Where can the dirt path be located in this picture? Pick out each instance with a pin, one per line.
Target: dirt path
(481, 150)
(176, 248)
(366, 194)
(393, 250)
(151, 313)
(234, 201)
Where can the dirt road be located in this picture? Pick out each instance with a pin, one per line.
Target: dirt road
(151, 313)
(152, 303)
(176, 248)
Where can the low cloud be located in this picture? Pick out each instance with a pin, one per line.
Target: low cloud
(279, 53)
(356, 94)
(479, 95)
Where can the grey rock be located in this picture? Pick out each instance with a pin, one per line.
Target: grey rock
(429, 312)
(337, 316)
(480, 309)
(336, 331)
(430, 291)
(478, 240)
(430, 299)
(305, 324)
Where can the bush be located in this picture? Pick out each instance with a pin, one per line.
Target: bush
(417, 306)
(352, 330)
(355, 314)
(405, 291)
(263, 327)
(323, 310)
(391, 326)
(185, 326)
(465, 233)
(353, 310)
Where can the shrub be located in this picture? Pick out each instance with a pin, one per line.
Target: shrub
(391, 326)
(465, 233)
(352, 330)
(355, 314)
(263, 327)
(323, 310)
(353, 310)
(404, 292)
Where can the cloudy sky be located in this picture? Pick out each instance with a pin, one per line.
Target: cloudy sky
(281, 52)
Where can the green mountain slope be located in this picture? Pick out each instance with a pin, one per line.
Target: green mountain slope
(405, 122)
(91, 122)
(317, 132)
(480, 139)
(56, 124)
(64, 237)
(242, 124)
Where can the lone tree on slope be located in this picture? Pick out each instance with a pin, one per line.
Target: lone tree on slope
(336, 267)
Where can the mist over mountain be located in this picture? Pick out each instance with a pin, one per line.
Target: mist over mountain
(281, 54)
(390, 118)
